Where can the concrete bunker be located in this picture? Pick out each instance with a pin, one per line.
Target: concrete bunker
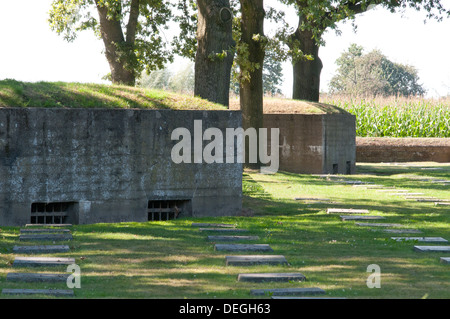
(84, 166)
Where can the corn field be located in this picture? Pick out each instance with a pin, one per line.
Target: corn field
(396, 116)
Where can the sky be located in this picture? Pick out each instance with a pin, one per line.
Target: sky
(31, 51)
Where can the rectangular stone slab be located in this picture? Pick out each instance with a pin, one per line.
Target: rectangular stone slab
(50, 237)
(52, 292)
(378, 225)
(393, 190)
(435, 200)
(266, 277)
(212, 225)
(313, 199)
(405, 194)
(232, 238)
(347, 211)
(42, 261)
(445, 260)
(422, 239)
(47, 225)
(361, 217)
(242, 247)
(33, 277)
(287, 291)
(249, 260)
(373, 186)
(432, 248)
(223, 230)
(41, 249)
(45, 230)
(442, 203)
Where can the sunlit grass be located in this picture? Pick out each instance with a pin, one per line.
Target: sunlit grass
(172, 259)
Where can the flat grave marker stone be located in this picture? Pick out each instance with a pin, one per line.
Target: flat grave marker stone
(45, 230)
(287, 291)
(42, 261)
(312, 199)
(212, 225)
(41, 249)
(49, 237)
(242, 247)
(48, 225)
(347, 211)
(249, 260)
(231, 238)
(364, 217)
(445, 260)
(266, 277)
(223, 230)
(400, 231)
(379, 224)
(37, 277)
(53, 292)
(422, 239)
(432, 248)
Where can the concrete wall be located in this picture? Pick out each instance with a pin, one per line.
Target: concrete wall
(315, 143)
(110, 163)
(386, 149)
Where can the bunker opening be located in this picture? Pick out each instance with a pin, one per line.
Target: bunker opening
(52, 213)
(168, 209)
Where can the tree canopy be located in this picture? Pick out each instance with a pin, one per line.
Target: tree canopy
(130, 29)
(373, 74)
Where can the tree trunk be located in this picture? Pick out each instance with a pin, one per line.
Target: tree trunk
(214, 36)
(111, 32)
(251, 91)
(306, 84)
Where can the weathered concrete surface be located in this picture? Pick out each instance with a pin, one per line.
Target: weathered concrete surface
(315, 143)
(422, 239)
(44, 230)
(108, 163)
(242, 247)
(387, 149)
(277, 277)
(432, 248)
(45, 237)
(52, 292)
(287, 291)
(232, 238)
(346, 211)
(42, 261)
(249, 260)
(40, 249)
(365, 217)
(36, 277)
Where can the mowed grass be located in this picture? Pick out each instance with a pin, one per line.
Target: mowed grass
(172, 259)
(397, 116)
(88, 95)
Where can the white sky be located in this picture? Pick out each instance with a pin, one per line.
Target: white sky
(30, 51)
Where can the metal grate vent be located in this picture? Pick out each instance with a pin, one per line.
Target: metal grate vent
(50, 213)
(166, 209)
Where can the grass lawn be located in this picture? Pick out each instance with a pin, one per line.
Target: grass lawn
(89, 95)
(172, 259)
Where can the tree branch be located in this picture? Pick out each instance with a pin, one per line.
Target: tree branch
(132, 21)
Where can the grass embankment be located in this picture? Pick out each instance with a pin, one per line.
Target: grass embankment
(397, 116)
(171, 259)
(84, 95)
